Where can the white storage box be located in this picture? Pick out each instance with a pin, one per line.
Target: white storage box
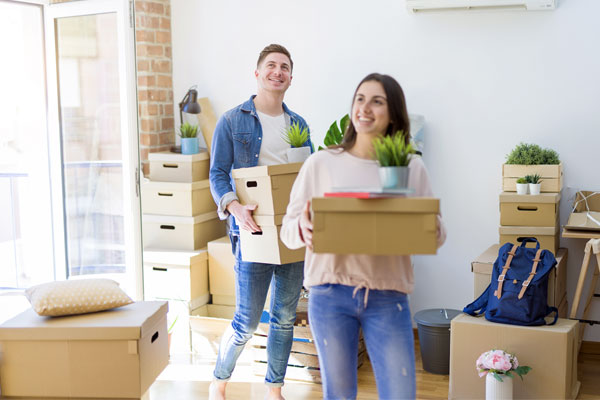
(221, 273)
(174, 167)
(181, 233)
(177, 198)
(110, 354)
(267, 186)
(177, 275)
(265, 246)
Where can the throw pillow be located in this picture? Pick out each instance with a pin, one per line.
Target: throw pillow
(76, 297)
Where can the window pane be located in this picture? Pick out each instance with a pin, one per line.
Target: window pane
(91, 135)
(25, 214)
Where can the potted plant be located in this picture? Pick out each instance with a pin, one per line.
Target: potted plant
(393, 155)
(535, 183)
(497, 366)
(296, 137)
(528, 159)
(189, 138)
(522, 185)
(335, 133)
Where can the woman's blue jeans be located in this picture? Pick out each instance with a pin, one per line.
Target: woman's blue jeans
(336, 314)
(251, 288)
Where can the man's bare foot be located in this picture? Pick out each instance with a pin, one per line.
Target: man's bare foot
(274, 393)
(216, 390)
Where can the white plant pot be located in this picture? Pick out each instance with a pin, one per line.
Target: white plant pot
(522, 188)
(393, 177)
(535, 188)
(298, 154)
(496, 390)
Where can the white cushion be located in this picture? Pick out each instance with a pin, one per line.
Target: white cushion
(76, 297)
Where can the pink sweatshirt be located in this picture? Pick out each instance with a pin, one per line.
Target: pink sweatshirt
(328, 169)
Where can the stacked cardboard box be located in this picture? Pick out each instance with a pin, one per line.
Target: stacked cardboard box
(179, 219)
(551, 352)
(530, 216)
(269, 188)
(179, 212)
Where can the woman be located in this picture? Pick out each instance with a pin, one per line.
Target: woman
(348, 292)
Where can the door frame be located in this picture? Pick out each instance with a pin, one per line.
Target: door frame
(129, 126)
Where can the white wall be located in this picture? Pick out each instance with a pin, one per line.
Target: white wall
(484, 81)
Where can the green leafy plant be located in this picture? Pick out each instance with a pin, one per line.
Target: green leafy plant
(393, 151)
(522, 180)
(188, 130)
(335, 133)
(532, 154)
(172, 325)
(535, 178)
(295, 136)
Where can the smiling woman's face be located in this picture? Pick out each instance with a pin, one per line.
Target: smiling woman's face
(370, 114)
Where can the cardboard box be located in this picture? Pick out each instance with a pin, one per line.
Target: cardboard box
(221, 274)
(552, 176)
(586, 214)
(268, 187)
(110, 354)
(177, 198)
(551, 352)
(265, 246)
(177, 275)
(530, 210)
(181, 233)
(207, 325)
(392, 226)
(174, 167)
(557, 280)
(563, 308)
(547, 235)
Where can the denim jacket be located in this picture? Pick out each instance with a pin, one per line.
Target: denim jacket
(236, 144)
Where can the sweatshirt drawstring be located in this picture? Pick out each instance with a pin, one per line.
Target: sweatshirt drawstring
(357, 288)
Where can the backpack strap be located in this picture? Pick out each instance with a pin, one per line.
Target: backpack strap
(511, 254)
(536, 261)
(478, 305)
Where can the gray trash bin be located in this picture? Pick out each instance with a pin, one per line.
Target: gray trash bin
(434, 338)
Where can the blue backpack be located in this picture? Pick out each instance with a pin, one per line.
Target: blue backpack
(518, 292)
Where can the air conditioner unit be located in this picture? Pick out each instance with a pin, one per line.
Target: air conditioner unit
(439, 5)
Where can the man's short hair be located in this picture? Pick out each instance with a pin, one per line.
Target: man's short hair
(274, 48)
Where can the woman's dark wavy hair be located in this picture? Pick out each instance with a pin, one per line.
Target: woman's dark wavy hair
(396, 102)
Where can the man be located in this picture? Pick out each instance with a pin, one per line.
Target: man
(246, 136)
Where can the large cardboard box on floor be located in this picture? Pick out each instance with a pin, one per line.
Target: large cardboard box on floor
(392, 226)
(551, 352)
(175, 167)
(110, 354)
(552, 176)
(557, 280)
(177, 198)
(265, 246)
(530, 210)
(268, 187)
(548, 236)
(177, 275)
(221, 274)
(181, 233)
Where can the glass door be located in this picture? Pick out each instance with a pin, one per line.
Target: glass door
(95, 141)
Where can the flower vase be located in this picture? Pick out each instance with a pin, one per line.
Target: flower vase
(298, 154)
(496, 390)
(393, 177)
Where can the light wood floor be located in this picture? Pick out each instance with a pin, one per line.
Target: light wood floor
(187, 378)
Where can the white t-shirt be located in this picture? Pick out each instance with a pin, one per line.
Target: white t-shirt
(273, 147)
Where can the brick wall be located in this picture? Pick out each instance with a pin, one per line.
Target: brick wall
(154, 74)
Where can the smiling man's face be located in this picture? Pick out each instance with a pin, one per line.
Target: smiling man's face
(274, 73)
